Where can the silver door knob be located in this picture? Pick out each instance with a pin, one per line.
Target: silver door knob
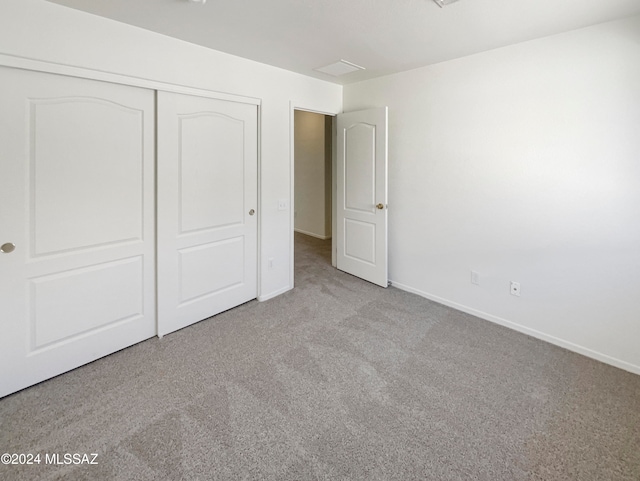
(7, 248)
(251, 212)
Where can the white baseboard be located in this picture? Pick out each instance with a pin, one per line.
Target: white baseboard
(317, 236)
(273, 294)
(598, 356)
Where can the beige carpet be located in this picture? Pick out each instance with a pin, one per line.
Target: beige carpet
(335, 380)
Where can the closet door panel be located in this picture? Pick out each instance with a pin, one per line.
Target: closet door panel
(207, 203)
(77, 201)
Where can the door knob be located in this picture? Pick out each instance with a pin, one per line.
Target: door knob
(7, 248)
(380, 206)
(251, 212)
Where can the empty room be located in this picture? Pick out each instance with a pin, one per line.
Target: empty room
(300, 240)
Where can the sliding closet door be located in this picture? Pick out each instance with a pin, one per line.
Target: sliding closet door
(207, 208)
(76, 223)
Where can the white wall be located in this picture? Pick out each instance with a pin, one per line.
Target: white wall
(523, 163)
(312, 174)
(40, 30)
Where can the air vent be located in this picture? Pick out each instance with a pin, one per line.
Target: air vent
(339, 68)
(442, 3)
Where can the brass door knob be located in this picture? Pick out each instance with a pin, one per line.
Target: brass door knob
(380, 206)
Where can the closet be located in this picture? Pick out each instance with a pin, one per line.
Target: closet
(86, 237)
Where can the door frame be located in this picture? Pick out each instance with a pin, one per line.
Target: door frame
(293, 106)
(91, 74)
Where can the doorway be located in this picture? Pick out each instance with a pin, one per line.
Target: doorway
(313, 187)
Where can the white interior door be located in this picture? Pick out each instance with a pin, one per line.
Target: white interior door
(362, 195)
(77, 202)
(207, 208)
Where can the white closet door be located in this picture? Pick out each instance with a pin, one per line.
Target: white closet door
(207, 208)
(77, 201)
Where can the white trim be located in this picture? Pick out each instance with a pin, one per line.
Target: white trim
(292, 177)
(311, 234)
(274, 294)
(155, 210)
(598, 356)
(93, 74)
(334, 189)
(293, 106)
(259, 203)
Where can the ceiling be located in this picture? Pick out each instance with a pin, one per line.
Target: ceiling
(384, 36)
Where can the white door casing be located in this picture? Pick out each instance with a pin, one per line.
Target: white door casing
(77, 200)
(207, 208)
(362, 195)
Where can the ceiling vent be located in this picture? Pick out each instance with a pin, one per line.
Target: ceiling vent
(339, 68)
(442, 3)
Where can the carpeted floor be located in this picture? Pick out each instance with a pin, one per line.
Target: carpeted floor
(335, 380)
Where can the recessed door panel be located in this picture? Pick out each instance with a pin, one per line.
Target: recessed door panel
(75, 166)
(359, 167)
(211, 171)
(104, 294)
(360, 241)
(207, 208)
(77, 201)
(197, 264)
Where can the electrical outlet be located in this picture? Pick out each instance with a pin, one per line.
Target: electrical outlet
(475, 278)
(270, 262)
(282, 204)
(515, 288)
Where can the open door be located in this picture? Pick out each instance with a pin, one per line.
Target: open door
(362, 195)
